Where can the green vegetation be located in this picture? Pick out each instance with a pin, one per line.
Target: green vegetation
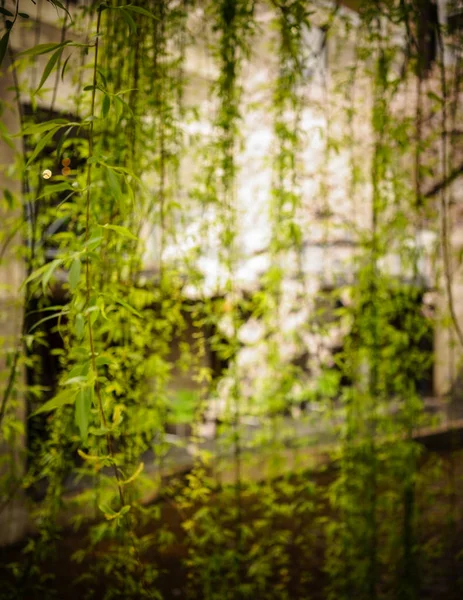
(315, 482)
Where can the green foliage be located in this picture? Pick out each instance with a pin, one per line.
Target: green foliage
(105, 344)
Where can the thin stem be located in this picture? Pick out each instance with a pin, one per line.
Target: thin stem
(87, 266)
(104, 422)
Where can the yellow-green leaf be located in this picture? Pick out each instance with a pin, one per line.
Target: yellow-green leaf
(123, 231)
(54, 58)
(82, 411)
(105, 106)
(61, 399)
(140, 468)
(74, 274)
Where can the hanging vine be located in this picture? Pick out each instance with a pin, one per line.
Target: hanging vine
(136, 326)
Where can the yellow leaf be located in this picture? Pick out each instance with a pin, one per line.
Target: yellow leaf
(140, 468)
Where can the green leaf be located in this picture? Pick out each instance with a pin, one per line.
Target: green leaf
(51, 189)
(79, 380)
(82, 411)
(95, 238)
(51, 268)
(434, 96)
(74, 274)
(42, 127)
(41, 145)
(60, 5)
(80, 325)
(80, 369)
(63, 70)
(94, 312)
(38, 272)
(99, 431)
(5, 135)
(129, 20)
(61, 399)
(110, 514)
(118, 107)
(105, 106)
(101, 75)
(9, 198)
(102, 360)
(61, 141)
(132, 478)
(124, 105)
(94, 160)
(94, 458)
(183, 406)
(122, 231)
(113, 182)
(34, 275)
(54, 58)
(125, 305)
(61, 313)
(7, 13)
(4, 46)
(141, 11)
(93, 243)
(42, 49)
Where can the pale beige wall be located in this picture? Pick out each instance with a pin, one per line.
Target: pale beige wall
(13, 517)
(448, 348)
(42, 27)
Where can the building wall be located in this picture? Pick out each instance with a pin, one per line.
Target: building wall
(12, 273)
(41, 27)
(448, 371)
